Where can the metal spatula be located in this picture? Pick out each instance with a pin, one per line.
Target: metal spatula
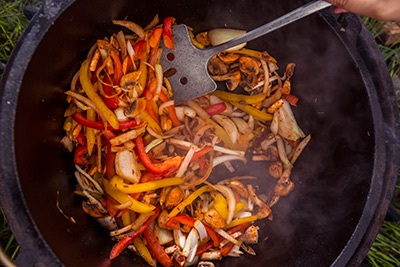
(191, 78)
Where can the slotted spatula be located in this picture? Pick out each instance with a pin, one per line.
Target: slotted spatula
(191, 78)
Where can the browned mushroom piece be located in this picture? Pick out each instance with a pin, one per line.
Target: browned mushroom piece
(178, 259)
(217, 67)
(284, 186)
(239, 188)
(249, 65)
(130, 79)
(91, 209)
(272, 199)
(290, 70)
(232, 79)
(275, 169)
(272, 153)
(263, 211)
(228, 58)
(203, 39)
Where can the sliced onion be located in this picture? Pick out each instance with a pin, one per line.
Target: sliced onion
(224, 158)
(200, 133)
(242, 214)
(228, 125)
(67, 143)
(242, 125)
(159, 77)
(95, 183)
(199, 110)
(229, 151)
(131, 52)
(300, 148)
(275, 124)
(266, 77)
(157, 135)
(282, 153)
(165, 105)
(214, 100)
(186, 161)
(201, 229)
(288, 127)
(227, 236)
(191, 244)
(230, 197)
(123, 205)
(179, 238)
(229, 166)
(153, 144)
(223, 35)
(164, 236)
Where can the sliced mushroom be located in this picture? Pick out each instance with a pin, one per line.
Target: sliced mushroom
(206, 263)
(203, 39)
(217, 67)
(108, 222)
(130, 79)
(228, 58)
(249, 65)
(284, 186)
(264, 210)
(234, 80)
(275, 169)
(91, 209)
(162, 219)
(178, 259)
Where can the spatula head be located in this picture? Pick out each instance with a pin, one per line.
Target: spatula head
(189, 65)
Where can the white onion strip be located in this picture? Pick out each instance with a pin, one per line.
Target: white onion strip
(201, 229)
(199, 110)
(95, 183)
(282, 153)
(300, 148)
(165, 105)
(224, 158)
(131, 53)
(153, 144)
(186, 161)
(159, 77)
(227, 236)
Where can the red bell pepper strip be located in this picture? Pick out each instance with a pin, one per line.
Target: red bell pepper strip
(124, 242)
(148, 177)
(167, 33)
(210, 244)
(140, 49)
(79, 118)
(291, 99)
(216, 108)
(79, 157)
(111, 102)
(225, 250)
(201, 152)
(155, 247)
(117, 66)
(155, 38)
(110, 162)
(81, 138)
(183, 219)
(171, 110)
(148, 164)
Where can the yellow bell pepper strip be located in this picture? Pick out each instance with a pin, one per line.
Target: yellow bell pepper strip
(220, 205)
(253, 111)
(221, 133)
(118, 184)
(181, 206)
(148, 164)
(126, 218)
(143, 251)
(143, 77)
(136, 206)
(90, 132)
(231, 97)
(242, 220)
(91, 93)
(145, 116)
(124, 242)
(239, 206)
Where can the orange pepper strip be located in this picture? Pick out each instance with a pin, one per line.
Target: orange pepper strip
(117, 67)
(92, 94)
(171, 110)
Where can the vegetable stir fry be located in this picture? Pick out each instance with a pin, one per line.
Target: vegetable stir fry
(142, 163)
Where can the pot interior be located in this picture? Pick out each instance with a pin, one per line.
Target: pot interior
(310, 227)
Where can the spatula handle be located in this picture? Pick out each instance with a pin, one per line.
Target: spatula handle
(288, 18)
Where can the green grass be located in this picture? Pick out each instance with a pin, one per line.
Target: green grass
(385, 252)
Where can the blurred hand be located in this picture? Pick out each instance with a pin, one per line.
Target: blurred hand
(378, 9)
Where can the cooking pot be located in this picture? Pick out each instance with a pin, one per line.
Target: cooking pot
(344, 179)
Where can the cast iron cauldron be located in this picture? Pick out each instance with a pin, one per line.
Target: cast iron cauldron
(344, 180)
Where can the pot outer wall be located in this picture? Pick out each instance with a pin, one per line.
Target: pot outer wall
(344, 180)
